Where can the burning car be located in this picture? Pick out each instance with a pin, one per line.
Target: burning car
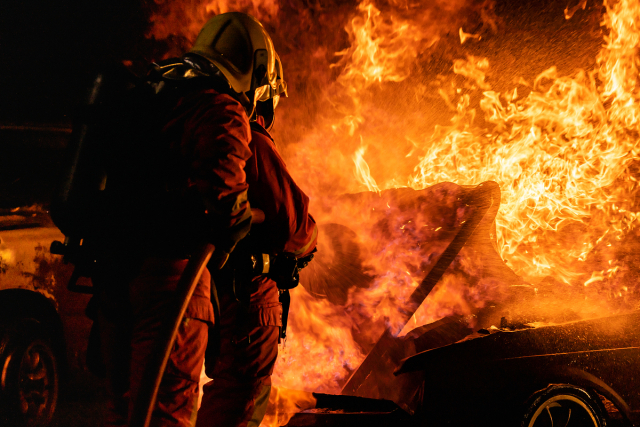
(583, 373)
(462, 370)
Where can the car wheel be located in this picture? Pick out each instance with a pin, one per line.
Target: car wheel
(29, 380)
(566, 406)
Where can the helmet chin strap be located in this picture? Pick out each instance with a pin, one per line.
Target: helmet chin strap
(247, 104)
(266, 110)
(254, 97)
(269, 121)
(270, 125)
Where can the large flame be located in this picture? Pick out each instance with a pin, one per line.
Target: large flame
(373, 108)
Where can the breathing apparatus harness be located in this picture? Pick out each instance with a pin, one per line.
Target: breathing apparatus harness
(122, 113)
(114, 131)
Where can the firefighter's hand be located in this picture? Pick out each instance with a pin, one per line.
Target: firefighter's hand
(257, 216)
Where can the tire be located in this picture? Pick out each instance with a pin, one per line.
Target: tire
(564, 405)
(29, 380)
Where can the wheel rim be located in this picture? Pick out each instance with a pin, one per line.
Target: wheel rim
(38, 386)
(564, 410)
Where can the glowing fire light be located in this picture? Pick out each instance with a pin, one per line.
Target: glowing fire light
(564, 150)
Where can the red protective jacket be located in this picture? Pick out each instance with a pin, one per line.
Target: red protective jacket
(288, 226)
(249, 331)
(207, 136)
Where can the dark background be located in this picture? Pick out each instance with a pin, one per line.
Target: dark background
(48, 49)
(48, 52)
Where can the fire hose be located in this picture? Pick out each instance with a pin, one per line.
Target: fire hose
(152, 376)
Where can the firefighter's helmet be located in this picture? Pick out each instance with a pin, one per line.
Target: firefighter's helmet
(239, 46)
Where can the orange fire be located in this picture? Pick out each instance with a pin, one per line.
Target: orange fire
(367, 112)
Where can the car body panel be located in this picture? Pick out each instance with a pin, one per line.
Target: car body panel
(26, 263)
(503, 369)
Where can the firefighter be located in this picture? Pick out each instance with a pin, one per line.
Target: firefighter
(199, 192)
(251, 313)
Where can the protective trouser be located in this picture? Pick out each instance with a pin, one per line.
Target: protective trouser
(239, 391)
(127, 340)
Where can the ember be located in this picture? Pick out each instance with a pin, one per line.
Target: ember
(373, 109)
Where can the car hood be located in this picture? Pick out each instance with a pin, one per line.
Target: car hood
(605, 333)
